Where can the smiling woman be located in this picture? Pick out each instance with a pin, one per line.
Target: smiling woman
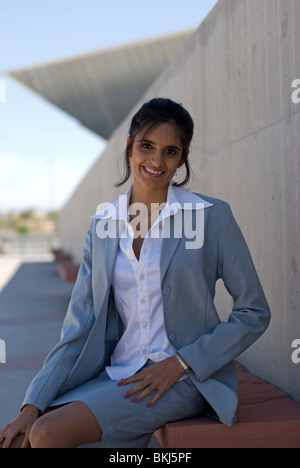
(149, 118)
(142, 342)
(157, 158)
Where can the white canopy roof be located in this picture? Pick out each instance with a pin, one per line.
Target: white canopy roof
(100, 88)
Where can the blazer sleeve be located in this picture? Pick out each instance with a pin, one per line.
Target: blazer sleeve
(76, 327)
(250, 314)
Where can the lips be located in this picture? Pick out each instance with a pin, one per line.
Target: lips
(152, 172)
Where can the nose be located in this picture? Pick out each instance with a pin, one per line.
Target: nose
(157, 158)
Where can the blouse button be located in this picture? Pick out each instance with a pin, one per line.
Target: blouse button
(172, 336)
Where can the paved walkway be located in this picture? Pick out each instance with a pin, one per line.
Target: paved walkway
(32, 307)
(8, 267)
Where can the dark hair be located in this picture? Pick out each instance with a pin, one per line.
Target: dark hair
(152, 114)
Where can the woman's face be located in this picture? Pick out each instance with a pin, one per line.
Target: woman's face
(156, 156)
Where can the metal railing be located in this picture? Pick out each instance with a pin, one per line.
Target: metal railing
(28, 243)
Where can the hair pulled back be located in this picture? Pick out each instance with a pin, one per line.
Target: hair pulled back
(153, 113)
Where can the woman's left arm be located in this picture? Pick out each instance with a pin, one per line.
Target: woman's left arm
(250, 315)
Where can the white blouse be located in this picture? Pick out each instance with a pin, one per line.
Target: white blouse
(138, 295)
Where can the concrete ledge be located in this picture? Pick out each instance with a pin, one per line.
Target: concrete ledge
(266, 418)
(61, 256)
(68, 272)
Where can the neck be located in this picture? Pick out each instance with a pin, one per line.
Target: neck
(149, 195)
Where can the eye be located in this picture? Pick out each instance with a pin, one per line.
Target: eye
(171, 151)
(146, 146)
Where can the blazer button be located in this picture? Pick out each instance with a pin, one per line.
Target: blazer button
(172, 336)
(166, 291)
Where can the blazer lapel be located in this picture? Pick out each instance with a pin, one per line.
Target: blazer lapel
(111, 249)
(105, 252)
(170, 243)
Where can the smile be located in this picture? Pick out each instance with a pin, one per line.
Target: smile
(152, 171)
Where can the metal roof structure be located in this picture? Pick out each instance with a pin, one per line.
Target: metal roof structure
(100, 88)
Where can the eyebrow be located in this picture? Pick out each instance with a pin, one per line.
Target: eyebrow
(144, 140)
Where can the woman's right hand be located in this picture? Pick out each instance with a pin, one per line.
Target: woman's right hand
(21, 425)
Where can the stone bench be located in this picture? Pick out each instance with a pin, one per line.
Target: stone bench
(68, 272)
(266, 418)
(61, 256)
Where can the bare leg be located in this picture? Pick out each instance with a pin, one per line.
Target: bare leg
(67, 426)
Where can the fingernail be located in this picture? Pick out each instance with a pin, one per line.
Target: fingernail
(134, 400)
(120, 383)
(126, 395)
(149, 404)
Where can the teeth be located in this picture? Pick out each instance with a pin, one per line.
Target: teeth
(153, 172)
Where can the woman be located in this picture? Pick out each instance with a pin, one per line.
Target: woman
(142, 343)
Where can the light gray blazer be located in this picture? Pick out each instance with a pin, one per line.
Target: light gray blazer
(92, 325)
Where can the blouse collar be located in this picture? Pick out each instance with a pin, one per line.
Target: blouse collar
(179, 198)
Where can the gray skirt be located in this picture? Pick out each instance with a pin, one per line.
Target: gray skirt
(125, 424)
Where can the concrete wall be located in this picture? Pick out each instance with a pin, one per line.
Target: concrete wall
(235, 77)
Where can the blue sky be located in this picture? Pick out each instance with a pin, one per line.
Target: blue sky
(44, 153)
